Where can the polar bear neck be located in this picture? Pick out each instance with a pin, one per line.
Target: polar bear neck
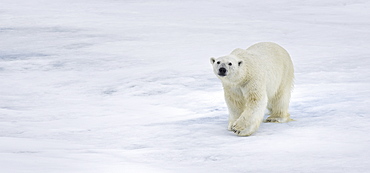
(240, 79)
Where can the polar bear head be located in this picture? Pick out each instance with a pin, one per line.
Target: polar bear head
(227, 68)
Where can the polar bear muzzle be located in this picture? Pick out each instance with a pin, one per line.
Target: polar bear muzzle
(222, 72)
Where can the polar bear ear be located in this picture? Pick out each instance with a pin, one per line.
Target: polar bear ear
(212, 60)
(240, 63)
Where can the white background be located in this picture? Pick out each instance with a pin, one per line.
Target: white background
(126, 86)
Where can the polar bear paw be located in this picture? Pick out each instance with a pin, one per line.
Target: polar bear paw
(230, 126)
(278, 120)
(241, 129)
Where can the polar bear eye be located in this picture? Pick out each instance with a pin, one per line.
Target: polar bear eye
(218, 62)
(230, 64)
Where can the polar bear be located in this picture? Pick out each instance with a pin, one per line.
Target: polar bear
(254, 79)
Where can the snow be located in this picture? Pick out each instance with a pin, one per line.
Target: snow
(126, 86)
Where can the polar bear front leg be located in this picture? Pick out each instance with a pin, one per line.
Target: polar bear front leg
(234, 114)
(251, 118)
(234, 104)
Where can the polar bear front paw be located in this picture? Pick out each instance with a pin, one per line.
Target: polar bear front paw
(240, 128)
(230, 124)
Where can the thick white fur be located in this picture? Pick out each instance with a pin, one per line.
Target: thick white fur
(258, 77)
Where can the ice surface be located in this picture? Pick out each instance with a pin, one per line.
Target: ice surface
(126, 86)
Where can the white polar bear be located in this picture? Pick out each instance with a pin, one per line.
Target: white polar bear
(253, 79)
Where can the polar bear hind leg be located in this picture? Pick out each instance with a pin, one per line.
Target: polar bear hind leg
(278, 107)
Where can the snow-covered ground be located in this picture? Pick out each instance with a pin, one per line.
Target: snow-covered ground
(126, 86)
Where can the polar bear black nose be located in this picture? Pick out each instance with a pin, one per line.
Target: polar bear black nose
(222, 70)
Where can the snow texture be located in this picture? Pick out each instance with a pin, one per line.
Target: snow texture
(126, 86)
